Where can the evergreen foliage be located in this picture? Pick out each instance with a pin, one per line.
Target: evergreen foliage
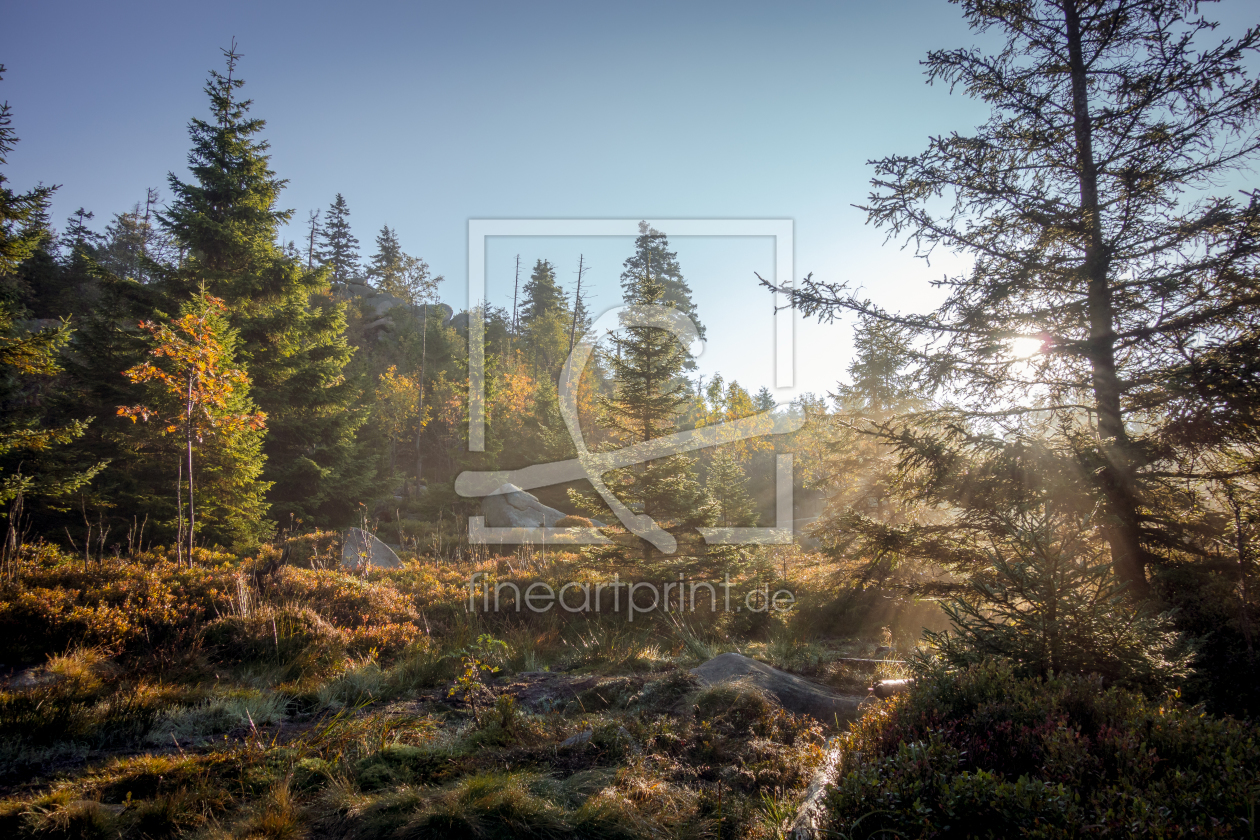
(292, 333)
(652, 256)
(385, 263)
(543, 295)
(727, 485)
(1086, 202)
(984, 753)
(867, 509)
(1049, 604)
(649, 394)
(339, 249)
(28, 443)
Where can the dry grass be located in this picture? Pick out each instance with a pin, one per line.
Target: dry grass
(169, 702)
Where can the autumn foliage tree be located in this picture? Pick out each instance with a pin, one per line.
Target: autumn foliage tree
(201, 397)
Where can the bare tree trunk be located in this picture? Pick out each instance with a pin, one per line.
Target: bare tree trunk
(424, 343)
(87, 541)
(1123, 527)
(310, 247)
(1242, 549)
(179, 505)
(577, 304)
(11, 541)
(188, 436)
(515, 287)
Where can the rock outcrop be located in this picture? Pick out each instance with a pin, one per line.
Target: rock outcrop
(512, 507)
(379, 304)
(792, 693)
(360, 548)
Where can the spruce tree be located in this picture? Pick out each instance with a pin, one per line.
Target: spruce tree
(546, 322)
(339, 249)
(727, 486)
(29, 444)
(1086, 202)
(292, 333)
(652, 255)
(543, 295)
(386, 263)
(649, 395)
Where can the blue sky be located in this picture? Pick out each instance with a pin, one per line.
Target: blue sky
(426, 115)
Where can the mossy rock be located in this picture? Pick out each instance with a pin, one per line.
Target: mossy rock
(662, 695)
(608, 694)
(740, 705)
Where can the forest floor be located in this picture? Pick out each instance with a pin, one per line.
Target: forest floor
(150, 700)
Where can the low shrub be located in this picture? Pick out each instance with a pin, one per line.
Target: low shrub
(983, 752)
(405, 764)
(295, 639)
(52, 604)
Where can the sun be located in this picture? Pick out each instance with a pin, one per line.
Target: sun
(1023, 348)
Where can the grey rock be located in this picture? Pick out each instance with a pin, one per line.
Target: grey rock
(578, 739)
(360, 547)
(623, 733)
(458, 322)
(381, 302)
(512, 507)
(792, 693)
(32, 678)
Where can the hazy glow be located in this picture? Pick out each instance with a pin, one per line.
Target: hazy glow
(1023, 348)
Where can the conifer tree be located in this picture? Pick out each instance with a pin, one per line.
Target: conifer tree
(546, 322)
(28, 443)
(1086, 202)
(864, 513)
(543, 295)
(652, 255)
(727, 485)
(386, 263)
(339, 249)
(292, 333)
(649, 395)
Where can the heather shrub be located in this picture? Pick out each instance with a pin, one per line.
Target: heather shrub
(405, 764)
(52, 603)
(985, 752)
(295, 639)
(343, 599)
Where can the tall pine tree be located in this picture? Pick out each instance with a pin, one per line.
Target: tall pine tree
(543, 295)
(652, 256)
(26, 357)
(292, 332)
(339, 249)
(649, 395)
(1087, 202)
(386, 263)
